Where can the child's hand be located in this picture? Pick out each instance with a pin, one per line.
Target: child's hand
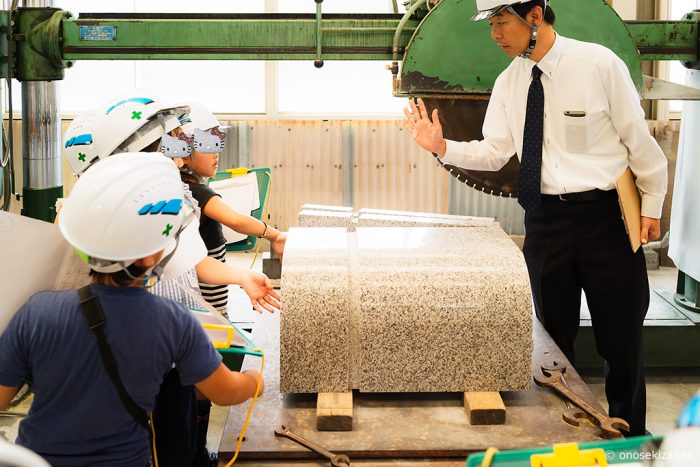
(278, 244)
(260, 291)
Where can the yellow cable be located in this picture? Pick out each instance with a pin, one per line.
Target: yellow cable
(250, 409)
(153, 438)
(266, 205)
(488, 457)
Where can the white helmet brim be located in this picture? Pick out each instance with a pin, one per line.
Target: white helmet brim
(190, 251)
(488, 13)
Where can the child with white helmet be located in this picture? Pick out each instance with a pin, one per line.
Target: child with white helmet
(132, 122)
(199, 151)
(124, 218)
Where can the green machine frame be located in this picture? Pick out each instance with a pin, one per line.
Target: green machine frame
(444, 55)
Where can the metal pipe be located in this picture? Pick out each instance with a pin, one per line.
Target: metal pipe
(41, 135)
(41, 143)
(399, 29)
(10, 133)
(394, 67)
(318, 63)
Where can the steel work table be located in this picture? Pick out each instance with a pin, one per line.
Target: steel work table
(419, 429)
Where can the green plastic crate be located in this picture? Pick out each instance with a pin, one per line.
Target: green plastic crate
(232, 357)
(263, 176)
(622, 451)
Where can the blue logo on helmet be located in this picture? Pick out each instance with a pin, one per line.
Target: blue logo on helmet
(171, 207)
(138, 100)
(80, 140)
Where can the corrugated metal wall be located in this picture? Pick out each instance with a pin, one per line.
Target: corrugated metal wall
(467, 201)
(359, 163)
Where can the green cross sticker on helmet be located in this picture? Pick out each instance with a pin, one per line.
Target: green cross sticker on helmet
(134, 120)
(125, 208)
(79, 147)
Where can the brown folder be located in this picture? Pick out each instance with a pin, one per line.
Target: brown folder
(631, 207)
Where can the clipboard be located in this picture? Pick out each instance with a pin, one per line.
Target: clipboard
(631, 207)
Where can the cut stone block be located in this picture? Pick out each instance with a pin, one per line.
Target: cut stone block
(418, 310)
(389, 212)
(316, 295)
(326, 207)
(311, 218)
(382, 220)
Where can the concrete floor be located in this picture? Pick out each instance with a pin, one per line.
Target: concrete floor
(667, 390)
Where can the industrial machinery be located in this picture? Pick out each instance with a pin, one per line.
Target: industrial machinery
(449, 61)
(446, 59)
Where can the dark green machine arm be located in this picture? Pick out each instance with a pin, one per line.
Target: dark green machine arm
(666, 40)
(49, 40)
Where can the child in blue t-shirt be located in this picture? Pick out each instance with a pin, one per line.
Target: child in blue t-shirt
(124, 227)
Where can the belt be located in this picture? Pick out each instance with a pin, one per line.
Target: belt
(590, 195)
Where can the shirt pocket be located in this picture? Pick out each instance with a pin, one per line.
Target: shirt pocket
(577, 130)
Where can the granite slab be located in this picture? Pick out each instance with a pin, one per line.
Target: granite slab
(404, 309)
(316, 218)
(390, 212)
(383, 220)
(326, 207)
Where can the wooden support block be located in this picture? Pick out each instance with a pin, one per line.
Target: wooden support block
(485, 408)
(334, 411)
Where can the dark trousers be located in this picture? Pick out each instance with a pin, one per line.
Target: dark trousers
(180, 424)
(175, 422)
(572, 246)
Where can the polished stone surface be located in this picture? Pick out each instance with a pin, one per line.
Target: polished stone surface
(316, 294)
(384, 220)
(317, 218)
(404, 309)
(326, 207)
(316, 215)
(389, 212)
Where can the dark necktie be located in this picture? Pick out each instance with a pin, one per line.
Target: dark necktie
(531, 160)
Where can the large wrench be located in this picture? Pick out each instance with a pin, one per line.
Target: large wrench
(572, 415)
(337, 460)
(609, 426)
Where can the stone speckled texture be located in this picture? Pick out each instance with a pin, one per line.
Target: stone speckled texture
(316, 218)
(317, 292)
(389, 212)
(405, 309)
(317, 215)
(325, 207)
(383, 220)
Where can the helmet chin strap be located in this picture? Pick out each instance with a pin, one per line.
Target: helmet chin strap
(155, 272)
(533, 34)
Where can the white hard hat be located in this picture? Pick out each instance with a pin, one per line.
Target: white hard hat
(485, 9)
(199, 117)
(190, 251)
(131, 122)
(124, 208)
(79, 147)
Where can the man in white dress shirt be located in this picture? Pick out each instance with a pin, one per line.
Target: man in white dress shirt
(570, 110)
